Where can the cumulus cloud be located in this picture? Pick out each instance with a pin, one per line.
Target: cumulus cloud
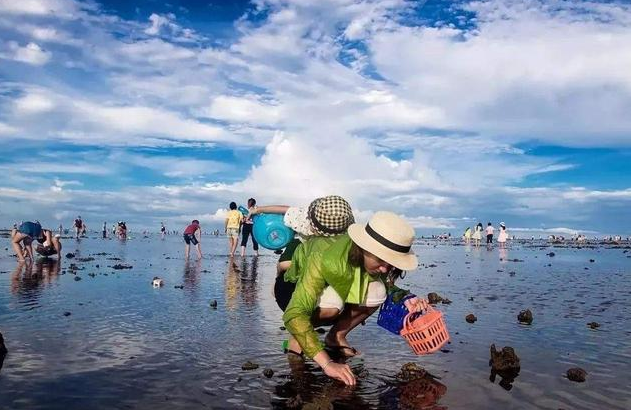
(31, 53)
(341, 96)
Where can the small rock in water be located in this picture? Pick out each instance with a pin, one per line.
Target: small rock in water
(249, 366)
(511, 273)
(213, 304)
(505, 359)
(593, 325)
(67, 313)
(179, 286)
(119, 266)
(268, 373)
(592, 260)
(471, 299)
(70, 255)
(433, 298)
(411, 371)
(470, 318)
(91, 275)
(576, 374)
(97, 265)
(551, 254)
(525, 316)
(77, 278)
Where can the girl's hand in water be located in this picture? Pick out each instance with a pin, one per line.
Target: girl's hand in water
(341, 372)
(415, 304)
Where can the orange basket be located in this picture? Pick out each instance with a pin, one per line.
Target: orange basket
(425, 332)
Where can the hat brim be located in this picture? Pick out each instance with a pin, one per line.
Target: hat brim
(403, 261)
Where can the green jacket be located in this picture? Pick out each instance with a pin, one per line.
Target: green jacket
(316, 264)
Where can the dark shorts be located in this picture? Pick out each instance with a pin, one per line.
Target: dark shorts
(489, 238)
(46, 250)
(283, 291)
(190, 238)
(32, 229)
(247, 231)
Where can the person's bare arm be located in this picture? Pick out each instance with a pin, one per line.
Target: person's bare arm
(269, 209)
(282, 267)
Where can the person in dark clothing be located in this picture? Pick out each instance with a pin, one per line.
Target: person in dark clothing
(246, 230)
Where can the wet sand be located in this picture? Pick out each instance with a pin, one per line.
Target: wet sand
(111, 340)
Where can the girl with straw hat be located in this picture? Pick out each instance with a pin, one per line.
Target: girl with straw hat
(342, 284)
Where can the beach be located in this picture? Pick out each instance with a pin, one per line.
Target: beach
(111, 340)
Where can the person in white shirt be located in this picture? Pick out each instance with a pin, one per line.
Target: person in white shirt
(489, 233)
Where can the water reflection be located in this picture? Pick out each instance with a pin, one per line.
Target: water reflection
(192, 271)
(28, 279)
(231, 284)
(503, 255)
(507, 377)
(247, 275)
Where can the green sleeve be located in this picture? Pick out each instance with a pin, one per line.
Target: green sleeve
(303, 303)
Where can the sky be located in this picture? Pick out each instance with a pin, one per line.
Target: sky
(448, 113)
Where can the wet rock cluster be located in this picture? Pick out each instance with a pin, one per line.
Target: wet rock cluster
(434, 298)
(120, 266)
(525, 316)
(411, 371)
(471, 318)
(576, 374)
(506, 364)
(249, 366)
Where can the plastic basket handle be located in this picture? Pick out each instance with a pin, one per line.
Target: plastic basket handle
(407, 322)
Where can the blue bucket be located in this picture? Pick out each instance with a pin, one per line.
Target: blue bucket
(270, 231)
(392, 315)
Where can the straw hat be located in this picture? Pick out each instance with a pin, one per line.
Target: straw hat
(387, 236)
(330, 215)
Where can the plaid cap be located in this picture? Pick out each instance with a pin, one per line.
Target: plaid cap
(330, 215)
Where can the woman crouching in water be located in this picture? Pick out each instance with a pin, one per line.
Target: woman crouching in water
(22, 240)
(343, 283)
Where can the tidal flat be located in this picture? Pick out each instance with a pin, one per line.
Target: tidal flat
(88, 334)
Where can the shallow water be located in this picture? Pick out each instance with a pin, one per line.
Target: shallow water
(127, 345)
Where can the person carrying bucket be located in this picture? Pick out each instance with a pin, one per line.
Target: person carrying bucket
(342, 283)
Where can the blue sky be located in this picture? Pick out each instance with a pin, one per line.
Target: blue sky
(446, 112)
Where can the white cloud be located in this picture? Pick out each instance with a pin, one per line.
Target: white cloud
(30, 54)
(7, 130)
(57, 8)
(243, 109)
(294, 84)
(164, 25)
(34, 102)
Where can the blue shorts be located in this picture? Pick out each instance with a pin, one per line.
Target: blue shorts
(190, 238)
(32, 229)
